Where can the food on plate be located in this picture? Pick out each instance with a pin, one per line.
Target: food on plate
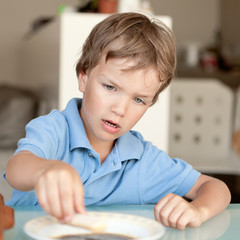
(99, 236)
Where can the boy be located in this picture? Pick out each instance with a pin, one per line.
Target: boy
(87, 154)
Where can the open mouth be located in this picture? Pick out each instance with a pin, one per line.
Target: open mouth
(111, 124)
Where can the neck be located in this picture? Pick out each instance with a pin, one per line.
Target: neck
(103, 149)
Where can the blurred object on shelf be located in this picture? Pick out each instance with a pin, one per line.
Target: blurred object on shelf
(192, 55)
(220, 57)
(38, 24)
(65, 8)
(129, 5)
(236, 125)
(6, 217)
(107, 6)
(145, 7)
(231, 55)
(211, 55)
(209, 61)
(88, 6)
(188, 56)
(236, 142)
(17, 108)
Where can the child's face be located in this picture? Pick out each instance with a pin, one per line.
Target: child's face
(114, 100)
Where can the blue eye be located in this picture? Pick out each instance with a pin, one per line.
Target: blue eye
(139, 100)
(109, 87)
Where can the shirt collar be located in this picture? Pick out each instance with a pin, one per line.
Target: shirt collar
(77, 134)
(128, 146)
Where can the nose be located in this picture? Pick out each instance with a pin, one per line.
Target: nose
(120, 106)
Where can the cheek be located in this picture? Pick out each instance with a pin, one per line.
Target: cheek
(136, 115)
(94, 102)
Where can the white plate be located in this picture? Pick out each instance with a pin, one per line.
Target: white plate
(136, 227)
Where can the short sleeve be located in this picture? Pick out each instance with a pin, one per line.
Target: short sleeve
(44, 136)
(161, 174)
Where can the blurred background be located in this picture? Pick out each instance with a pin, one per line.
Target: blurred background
(204, 110)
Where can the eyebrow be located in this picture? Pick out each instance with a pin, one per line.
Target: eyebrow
(146, 97)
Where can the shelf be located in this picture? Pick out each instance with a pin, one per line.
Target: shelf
(232, 79)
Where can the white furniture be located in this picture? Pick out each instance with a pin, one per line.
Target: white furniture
(49, 59)
(201, 120)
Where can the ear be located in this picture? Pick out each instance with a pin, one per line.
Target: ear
(82, 81)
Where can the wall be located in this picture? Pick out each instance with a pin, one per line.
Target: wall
(230, 16)
(194, 21)
(15, 20)
(230, 19)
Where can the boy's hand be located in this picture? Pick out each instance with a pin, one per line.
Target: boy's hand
(174, 211)
(60, 191)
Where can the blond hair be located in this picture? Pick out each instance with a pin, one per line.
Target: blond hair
(149, 42)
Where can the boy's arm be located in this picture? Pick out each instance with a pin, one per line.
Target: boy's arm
(210, 196)
(58, 186)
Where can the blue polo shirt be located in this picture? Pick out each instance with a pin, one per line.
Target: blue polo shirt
(135, 172)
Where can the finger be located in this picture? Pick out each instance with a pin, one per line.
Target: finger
(183, 220)
(79, 198)
(172, 210)
(65, 185)
(175, 215)
(161, 205)
(53, 200)
(41, 195)
(165, 213)
(190, 218)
